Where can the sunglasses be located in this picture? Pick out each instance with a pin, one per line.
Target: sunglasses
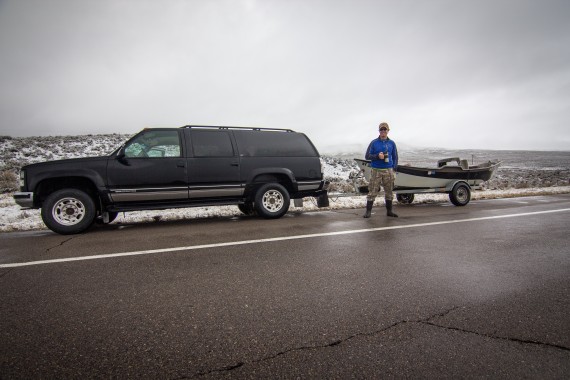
(383, 130)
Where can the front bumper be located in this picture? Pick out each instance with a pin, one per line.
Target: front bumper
(24, 199)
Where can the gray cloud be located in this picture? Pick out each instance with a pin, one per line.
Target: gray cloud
(457, 74)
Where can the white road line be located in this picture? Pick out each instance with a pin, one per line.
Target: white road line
(282, 238)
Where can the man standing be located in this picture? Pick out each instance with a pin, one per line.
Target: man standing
(383, 156)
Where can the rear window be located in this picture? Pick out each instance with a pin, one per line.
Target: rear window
(211, 144)
(274, 144)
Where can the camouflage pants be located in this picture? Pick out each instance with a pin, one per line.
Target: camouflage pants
(384, 178)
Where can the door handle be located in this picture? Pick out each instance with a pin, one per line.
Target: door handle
(234, 164)
(180, 164)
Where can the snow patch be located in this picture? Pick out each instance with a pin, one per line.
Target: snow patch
(13, 218)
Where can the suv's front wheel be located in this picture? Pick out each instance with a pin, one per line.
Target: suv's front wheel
(68, 211)
(272, 201)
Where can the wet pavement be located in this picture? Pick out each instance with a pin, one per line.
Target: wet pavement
(442, 291)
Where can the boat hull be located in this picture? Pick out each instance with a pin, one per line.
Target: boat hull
(407, 181)
(411, 178)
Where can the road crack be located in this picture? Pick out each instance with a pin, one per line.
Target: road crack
(46, 252)
(59, 245)
(320, 346)
(497, 337)
(428, 321)
(425, 321)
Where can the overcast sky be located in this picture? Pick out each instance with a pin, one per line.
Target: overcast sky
(485, 74)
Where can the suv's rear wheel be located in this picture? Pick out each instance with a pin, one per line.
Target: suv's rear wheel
(272, 201)
(68, 211)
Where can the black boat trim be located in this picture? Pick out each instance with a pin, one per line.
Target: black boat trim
(444, 173)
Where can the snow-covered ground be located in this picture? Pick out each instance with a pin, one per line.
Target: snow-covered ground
(546, 173)
(13, 218)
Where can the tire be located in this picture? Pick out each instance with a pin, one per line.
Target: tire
(460, 195)
(272, 201)
(247, 208)
(68, 211)
(405, 199)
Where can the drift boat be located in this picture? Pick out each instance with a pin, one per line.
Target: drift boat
(453, 176)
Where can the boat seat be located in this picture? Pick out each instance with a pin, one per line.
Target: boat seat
(464, 164)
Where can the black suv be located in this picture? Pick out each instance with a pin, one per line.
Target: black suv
(258, 169)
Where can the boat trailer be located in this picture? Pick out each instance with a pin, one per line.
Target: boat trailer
(452, 176)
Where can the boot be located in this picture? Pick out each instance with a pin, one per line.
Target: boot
(389, 209)
(368, 209)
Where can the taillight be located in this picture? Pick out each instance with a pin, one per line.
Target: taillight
(22, 180)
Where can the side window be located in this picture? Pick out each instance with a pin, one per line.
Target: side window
(211, 144)
(273, 144)
(154, 143)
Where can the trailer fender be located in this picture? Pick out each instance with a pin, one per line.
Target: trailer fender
(450, 186)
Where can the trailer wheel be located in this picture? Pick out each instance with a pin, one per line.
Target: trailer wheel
(405, 199)
(68, 211)
(272, 201)
(460, 195)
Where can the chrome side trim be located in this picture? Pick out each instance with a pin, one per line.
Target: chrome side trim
(308, 185)
(216, 191)
(148, 194)
(149, 189)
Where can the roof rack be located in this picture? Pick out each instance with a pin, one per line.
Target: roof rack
(246, 128)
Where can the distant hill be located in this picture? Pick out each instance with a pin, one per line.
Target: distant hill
(16, 152)
(549, 168)
(357, 150)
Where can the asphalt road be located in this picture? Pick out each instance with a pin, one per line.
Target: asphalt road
(441, 292)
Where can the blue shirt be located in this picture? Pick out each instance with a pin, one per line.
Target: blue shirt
(377, 146)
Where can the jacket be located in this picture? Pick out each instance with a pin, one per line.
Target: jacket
(377, 146)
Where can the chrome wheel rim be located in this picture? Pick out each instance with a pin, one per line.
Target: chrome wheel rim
(68, 211)
(273, 200)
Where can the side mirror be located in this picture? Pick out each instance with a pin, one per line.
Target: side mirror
(121, 156)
